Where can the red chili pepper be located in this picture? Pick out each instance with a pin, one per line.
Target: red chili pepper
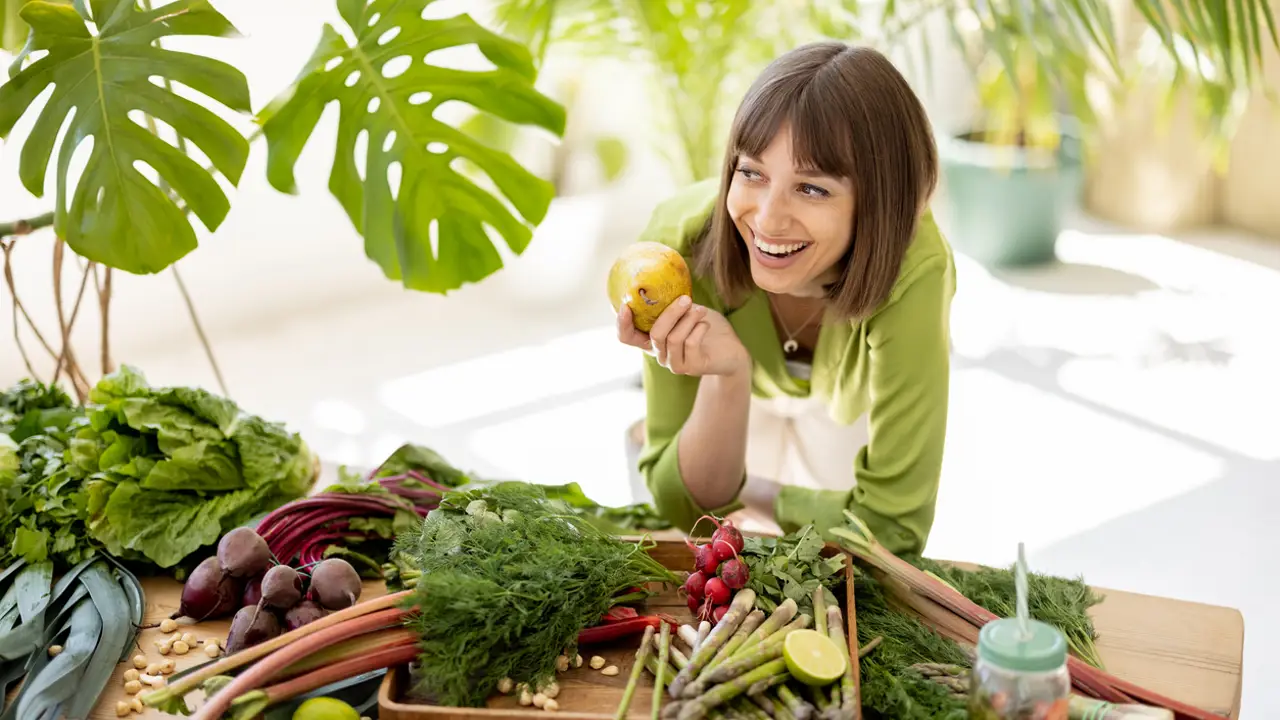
(619, 613)
(624, 628)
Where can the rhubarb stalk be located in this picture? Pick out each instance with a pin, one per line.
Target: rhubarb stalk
(170, 698)
(940, 604)
(254, 676)
(252, 704)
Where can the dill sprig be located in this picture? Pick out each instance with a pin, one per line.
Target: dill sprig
(507, 582)
(891, 689)
(1061, 602)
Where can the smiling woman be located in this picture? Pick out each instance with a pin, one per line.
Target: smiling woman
(808, 374)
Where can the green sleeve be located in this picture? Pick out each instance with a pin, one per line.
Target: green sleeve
(669, 397)
(669, 401)
(898, 470)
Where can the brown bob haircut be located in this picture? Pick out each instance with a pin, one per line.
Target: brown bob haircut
(851, 114)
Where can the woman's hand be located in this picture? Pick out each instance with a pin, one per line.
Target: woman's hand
(688, 339)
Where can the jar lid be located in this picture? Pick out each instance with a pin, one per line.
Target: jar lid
(1002, 643)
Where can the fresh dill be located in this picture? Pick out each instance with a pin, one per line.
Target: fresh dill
(508, 579)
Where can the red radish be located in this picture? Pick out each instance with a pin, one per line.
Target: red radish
(705, 560)
(718, 613)
(734, 573)
(695, 585)
(726, 541)
(717, 592)
(694, 604)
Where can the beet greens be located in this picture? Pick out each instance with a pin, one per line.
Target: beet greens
(507, 581)
(359, 516)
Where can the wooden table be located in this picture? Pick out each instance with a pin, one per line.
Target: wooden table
(1187, 651)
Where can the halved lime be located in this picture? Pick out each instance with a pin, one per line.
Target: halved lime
(323, 708)
(813, 658)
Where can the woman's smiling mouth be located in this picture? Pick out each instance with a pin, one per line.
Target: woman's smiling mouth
(777, 249)
(776, 254)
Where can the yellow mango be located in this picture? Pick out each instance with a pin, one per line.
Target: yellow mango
(647, 277)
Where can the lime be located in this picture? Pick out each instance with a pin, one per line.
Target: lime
(813, 658)
(322, 708)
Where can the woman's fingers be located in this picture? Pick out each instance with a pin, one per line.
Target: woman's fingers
(675, 342)
(628, 333)
(694, 357)
(665, 323)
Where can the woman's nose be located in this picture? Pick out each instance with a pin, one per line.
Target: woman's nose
(773, 216)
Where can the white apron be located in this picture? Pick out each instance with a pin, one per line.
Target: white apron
(794, 441)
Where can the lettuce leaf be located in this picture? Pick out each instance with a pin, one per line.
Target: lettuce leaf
(148, 474)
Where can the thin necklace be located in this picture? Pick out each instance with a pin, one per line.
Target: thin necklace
(790, 345)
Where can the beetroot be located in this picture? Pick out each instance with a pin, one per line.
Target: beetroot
(704, 559)
(335, 584)
(208, 592)
(734, 573)
(695, 584)
(252, 592)
(304, 612)
(717, 592)
(250, 627)
(243, 553)
(718, 613)
(281, 587)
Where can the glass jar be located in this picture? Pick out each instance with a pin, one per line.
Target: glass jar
(1017, 676)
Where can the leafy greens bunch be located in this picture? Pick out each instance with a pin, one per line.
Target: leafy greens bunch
(507, 580)
(148, 474)
(791, 566)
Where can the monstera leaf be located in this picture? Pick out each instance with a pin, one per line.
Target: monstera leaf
(12, 30)
(116, 215)
(423, 221)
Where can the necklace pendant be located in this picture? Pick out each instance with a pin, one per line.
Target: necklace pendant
(790, 346)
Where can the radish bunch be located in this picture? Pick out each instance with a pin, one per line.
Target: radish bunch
(717, 571)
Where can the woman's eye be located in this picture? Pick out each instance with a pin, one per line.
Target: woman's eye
(813, 191)
(748, 173)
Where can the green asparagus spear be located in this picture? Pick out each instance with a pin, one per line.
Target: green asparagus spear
(781, 616)
(821, 699)
(748, 709)
(660, 677)
(743, 662)
(728, 625)
(764, 703)
(677, 658)
(782, 711)
(642, 654)
(651, 664)
(820, 610)
(762, 687)
(799, 708)
(849, 700)
(698, 707)
(749, 625)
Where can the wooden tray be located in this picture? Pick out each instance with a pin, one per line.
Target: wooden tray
(585, 694)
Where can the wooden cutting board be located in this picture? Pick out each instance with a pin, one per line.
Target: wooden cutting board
(1187, 651)
(162, 600)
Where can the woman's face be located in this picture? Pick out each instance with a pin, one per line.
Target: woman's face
(796, 223)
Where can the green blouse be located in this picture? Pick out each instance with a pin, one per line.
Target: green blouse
(893, 365)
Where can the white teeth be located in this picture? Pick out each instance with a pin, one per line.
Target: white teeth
(778, 249)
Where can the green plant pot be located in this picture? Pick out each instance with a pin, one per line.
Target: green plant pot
(1006, 204)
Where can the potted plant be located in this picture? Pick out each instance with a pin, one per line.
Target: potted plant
(1042, 68)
